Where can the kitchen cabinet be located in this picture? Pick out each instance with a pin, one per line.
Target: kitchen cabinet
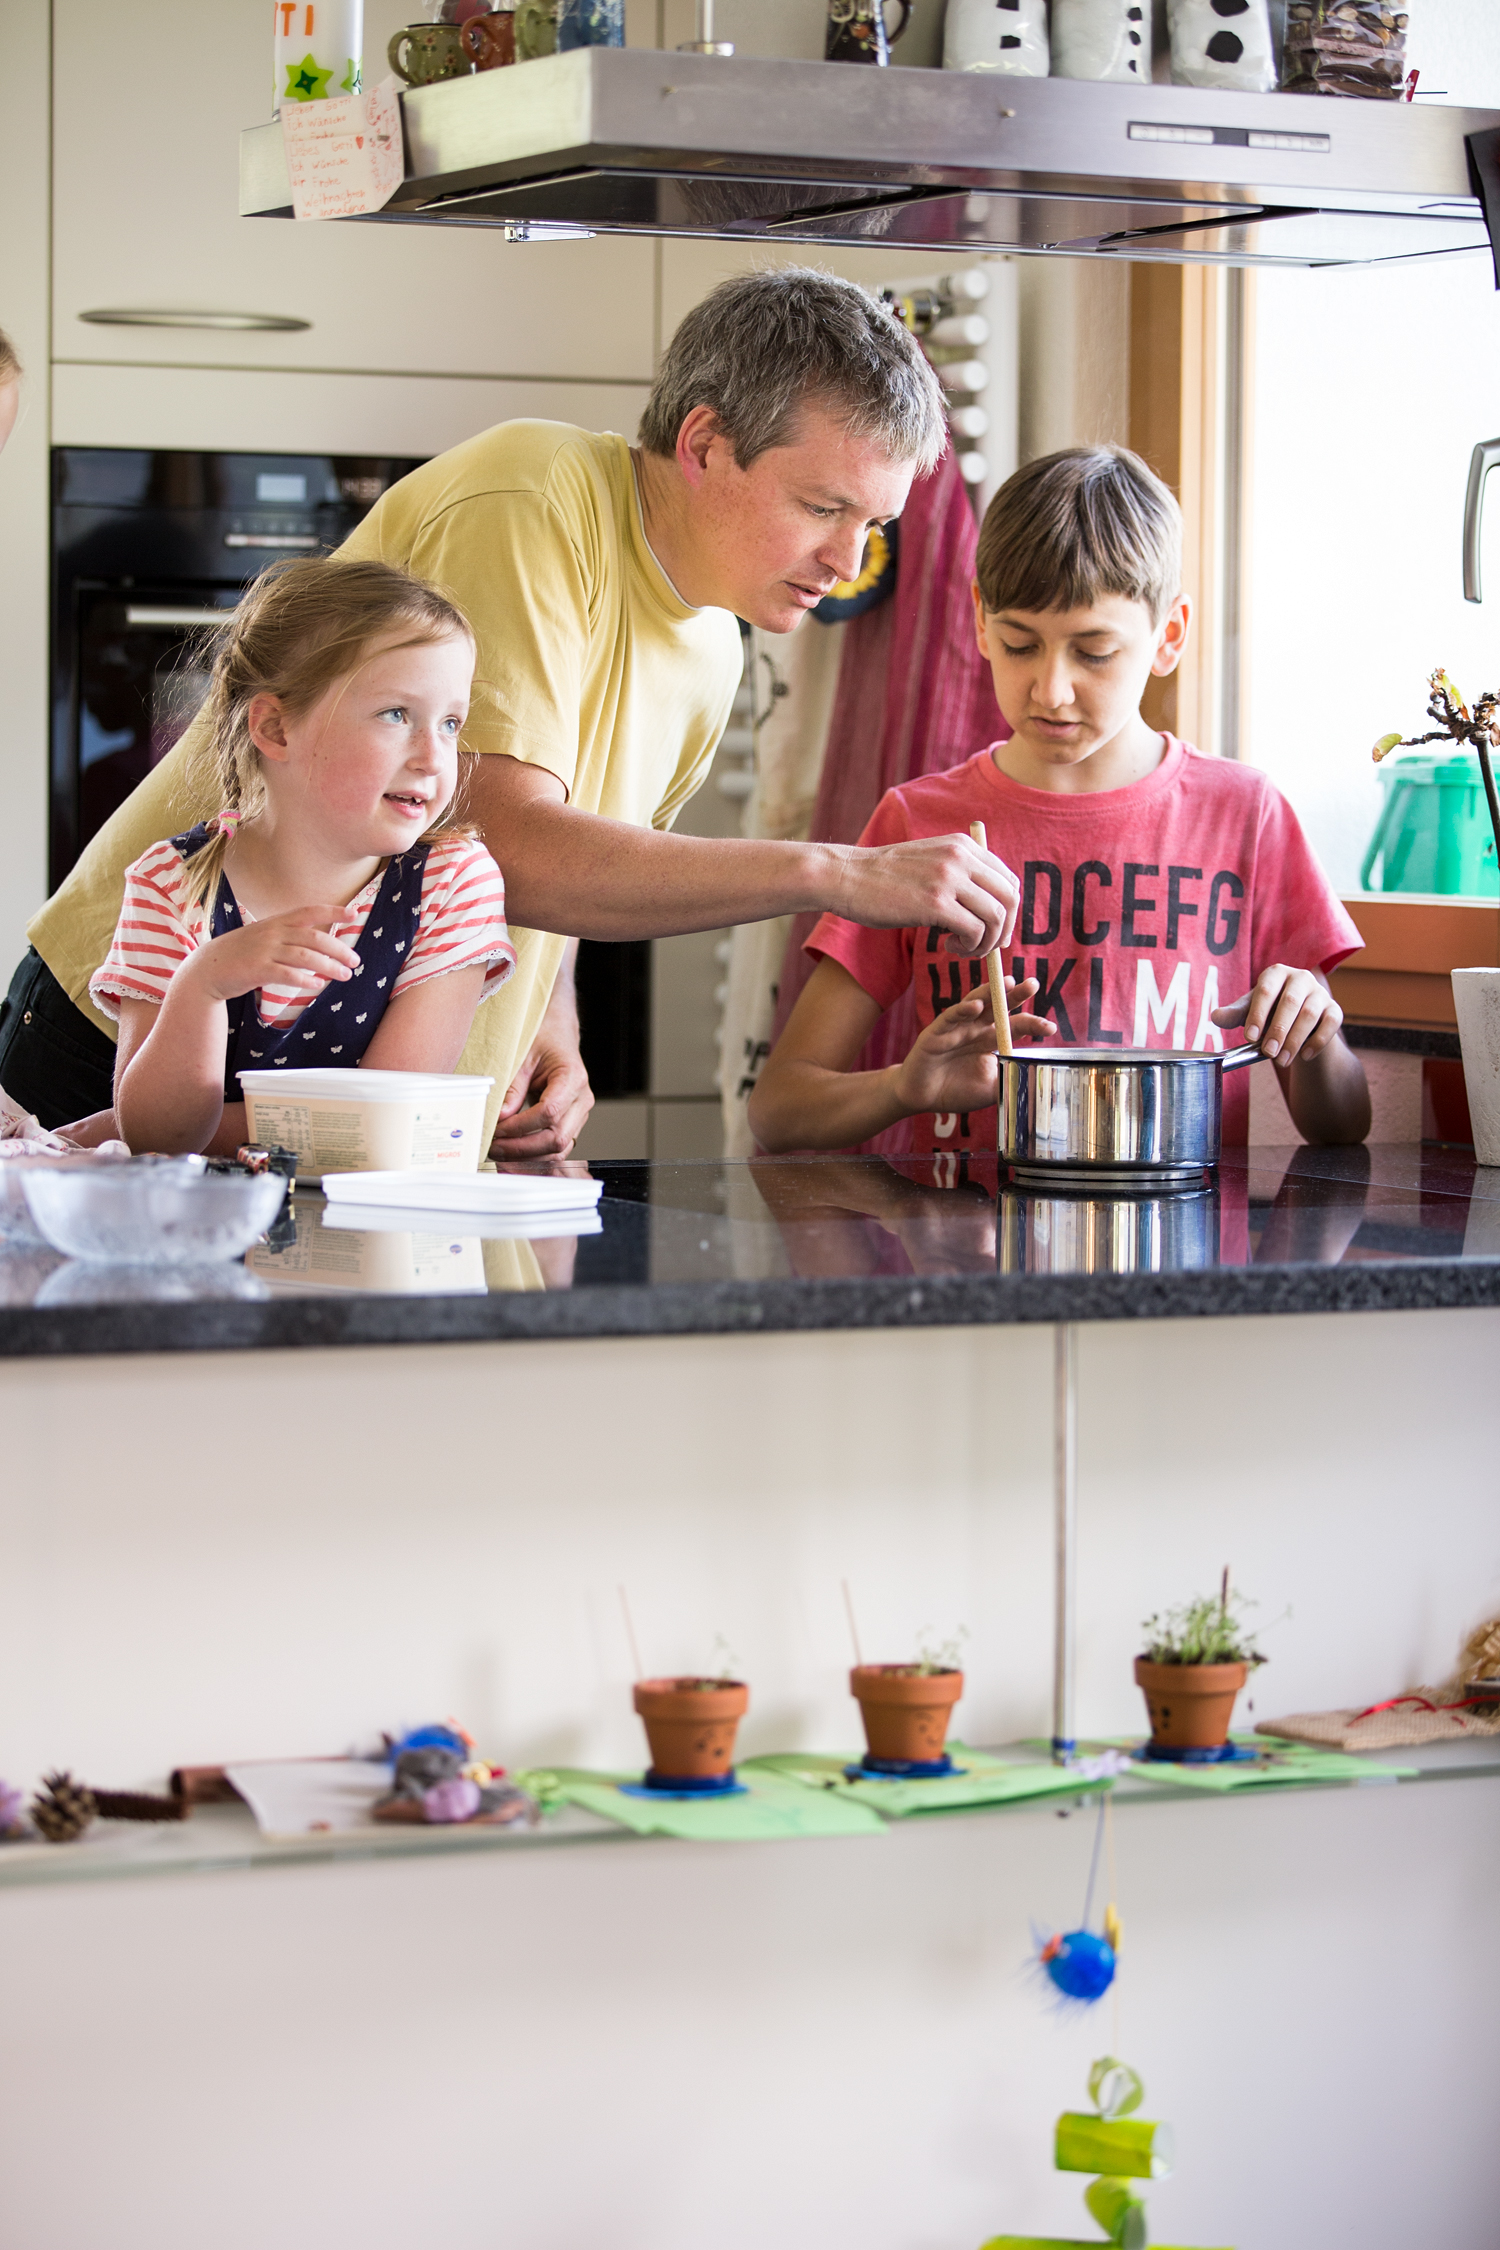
(148, 107)
(217, 410)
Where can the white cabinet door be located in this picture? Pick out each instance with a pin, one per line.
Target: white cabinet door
(148, 105)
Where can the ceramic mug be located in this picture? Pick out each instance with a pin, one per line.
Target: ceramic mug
(857, 31)
(490, 40)
(536, 30)
(433, 51)
(1010, 40)
(590, 23)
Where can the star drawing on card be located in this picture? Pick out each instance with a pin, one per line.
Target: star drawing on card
(352, 81)
(305, 82)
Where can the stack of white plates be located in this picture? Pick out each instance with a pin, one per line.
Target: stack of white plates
(511, 1195)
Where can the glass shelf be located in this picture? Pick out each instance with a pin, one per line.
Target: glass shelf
(223, 1839)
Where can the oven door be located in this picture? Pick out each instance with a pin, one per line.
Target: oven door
(138, 670)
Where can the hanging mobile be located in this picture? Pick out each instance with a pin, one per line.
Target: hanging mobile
(1081, 1963)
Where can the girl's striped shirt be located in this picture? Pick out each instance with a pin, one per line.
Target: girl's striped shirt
(462, 924)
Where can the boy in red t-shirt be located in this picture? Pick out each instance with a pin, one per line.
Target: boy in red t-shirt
(1165, 896)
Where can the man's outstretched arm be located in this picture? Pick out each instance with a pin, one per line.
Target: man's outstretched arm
(585, 876)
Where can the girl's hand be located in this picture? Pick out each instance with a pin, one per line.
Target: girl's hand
(296, 949)
(951, 1065)
(1290, 1014)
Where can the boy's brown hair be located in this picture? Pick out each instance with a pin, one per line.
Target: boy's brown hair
(1073, 526)
(10, 360)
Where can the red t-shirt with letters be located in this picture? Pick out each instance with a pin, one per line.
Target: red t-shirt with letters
(1142, 910)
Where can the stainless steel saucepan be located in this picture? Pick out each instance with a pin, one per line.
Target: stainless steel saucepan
(1103, 1117)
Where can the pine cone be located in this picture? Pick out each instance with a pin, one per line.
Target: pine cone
(63, 1809)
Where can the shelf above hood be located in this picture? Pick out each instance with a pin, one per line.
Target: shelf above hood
(639, 141)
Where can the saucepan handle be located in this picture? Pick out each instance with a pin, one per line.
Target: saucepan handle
(1240, 1058)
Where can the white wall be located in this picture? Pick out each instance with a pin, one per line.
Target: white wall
(25, 474)
(475, 2052)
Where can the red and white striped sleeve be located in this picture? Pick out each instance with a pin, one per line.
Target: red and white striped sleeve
(463, 918)
(156, 932)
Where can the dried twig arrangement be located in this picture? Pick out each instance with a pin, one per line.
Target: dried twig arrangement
(1478, 730)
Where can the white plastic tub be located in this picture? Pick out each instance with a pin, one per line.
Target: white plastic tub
(368, 1120)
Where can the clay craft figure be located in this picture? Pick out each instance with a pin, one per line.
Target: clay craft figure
(438, 1785)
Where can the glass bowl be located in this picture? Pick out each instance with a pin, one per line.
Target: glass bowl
(153, 1210)
(16, 1223)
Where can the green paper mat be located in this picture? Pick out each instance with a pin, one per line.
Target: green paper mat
(1288, 1762)
(1049, 2242)
(986, 1781)
(774, 1806)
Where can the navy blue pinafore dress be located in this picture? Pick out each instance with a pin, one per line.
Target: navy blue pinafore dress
(338, 1023)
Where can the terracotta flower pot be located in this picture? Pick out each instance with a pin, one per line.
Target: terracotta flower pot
(1190, 1704)
(905, 1712)
(690, 1725)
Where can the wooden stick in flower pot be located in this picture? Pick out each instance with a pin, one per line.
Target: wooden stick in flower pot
(1197, 1659)
(690, 1721)
(906, 1708)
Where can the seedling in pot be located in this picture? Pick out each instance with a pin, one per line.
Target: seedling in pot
(1197, 1658)
(690, 1720)
(906, 1707)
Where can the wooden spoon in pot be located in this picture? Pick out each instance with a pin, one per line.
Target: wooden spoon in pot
(996, 969)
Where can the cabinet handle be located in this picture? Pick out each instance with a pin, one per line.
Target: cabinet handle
(307, 539)
(152, 613)
(127, 316)
(1484, 458)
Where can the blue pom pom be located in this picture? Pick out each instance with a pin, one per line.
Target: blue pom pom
(1081, 1965)
(431, 1738)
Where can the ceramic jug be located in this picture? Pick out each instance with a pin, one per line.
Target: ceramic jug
(490, 39)
(857, 31)
(1102, 39)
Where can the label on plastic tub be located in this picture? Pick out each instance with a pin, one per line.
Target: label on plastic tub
(442, 1134)
(353, 1136)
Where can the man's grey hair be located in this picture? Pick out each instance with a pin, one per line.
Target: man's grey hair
(763, 346)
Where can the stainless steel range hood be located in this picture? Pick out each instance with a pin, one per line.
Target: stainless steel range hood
(639, 141)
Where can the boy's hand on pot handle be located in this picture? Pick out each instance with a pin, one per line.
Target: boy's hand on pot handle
(931, 882)
(1290, 1014)
(296, 949)
(951, 1063)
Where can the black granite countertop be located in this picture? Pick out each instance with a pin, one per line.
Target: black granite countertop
(823, 1242)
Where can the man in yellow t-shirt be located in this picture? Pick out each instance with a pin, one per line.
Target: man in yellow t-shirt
(603, 583)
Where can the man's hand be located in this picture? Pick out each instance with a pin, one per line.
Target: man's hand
(1290, 1014)
(547, 1103)
(546, 1106)
(951, 1065)
(944, 882)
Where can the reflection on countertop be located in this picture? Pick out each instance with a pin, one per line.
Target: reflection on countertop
(812, 1242)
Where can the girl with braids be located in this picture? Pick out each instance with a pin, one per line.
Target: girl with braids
(336, 912)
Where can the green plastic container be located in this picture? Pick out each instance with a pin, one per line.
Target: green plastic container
(1433, 833)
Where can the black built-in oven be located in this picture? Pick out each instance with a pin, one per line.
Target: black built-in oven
(148, 547)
